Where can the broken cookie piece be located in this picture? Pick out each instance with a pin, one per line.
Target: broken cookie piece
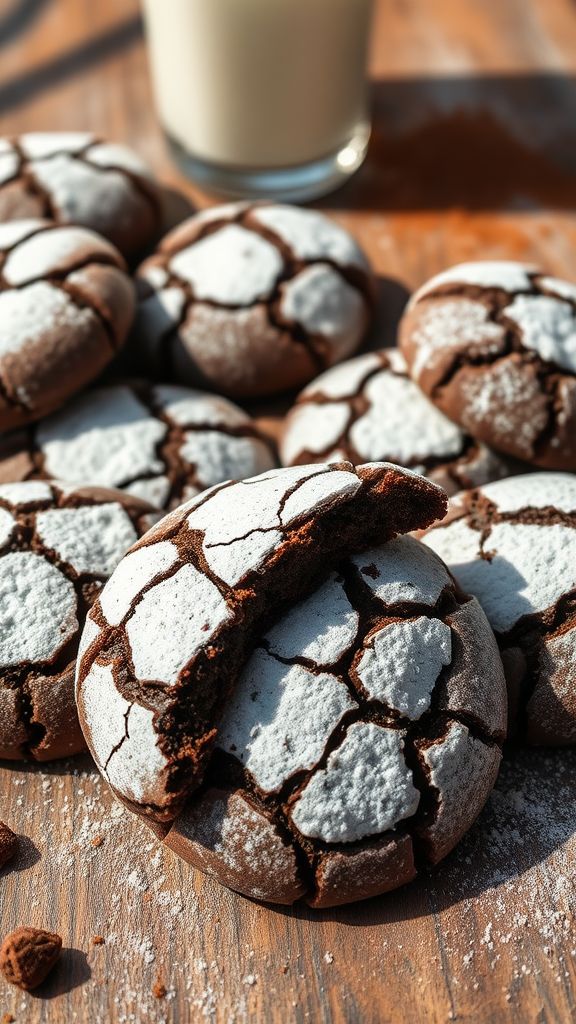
(165, 642)
(27, 956)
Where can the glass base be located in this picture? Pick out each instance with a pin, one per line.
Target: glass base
(292, 184)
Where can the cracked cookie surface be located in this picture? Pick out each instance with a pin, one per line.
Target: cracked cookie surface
(58, 545)
(66, 305)
(513, 545)
(368, 409)
(161, 442)
(251, 299)
(164, 643)
(362, 740)
(78, 178)
(489, 341)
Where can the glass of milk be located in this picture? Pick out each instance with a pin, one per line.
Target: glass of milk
(262, 98)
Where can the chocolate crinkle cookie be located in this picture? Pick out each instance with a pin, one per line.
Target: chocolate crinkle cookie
(78, 178)
(513, 545)
(252, 299)
(164, 643)
(160, 442)
(368, 409)
(364, 733)
(488, 342)
(57, 547)
(66, 305)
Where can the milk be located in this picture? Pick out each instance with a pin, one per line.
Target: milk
(260, 83)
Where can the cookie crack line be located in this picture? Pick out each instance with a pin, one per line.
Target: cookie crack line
(32, 186)
(548, 373)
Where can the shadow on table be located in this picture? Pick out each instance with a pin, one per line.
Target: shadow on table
(478, 142)
(531, 813)
(70, 766)
(71, 971)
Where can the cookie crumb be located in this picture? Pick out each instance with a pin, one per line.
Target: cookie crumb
(96, 841)
(28, 955)
(159, 988)
(7, 1018)
(98, 940)
(8, 844)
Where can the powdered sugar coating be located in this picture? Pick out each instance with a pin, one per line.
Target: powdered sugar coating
(401, 664)
(57, 545)
(547, 326)
(16, 231)
(26, 494)
(453, 323)
(320, 302)
(47, 252)
(321, 628)
(456, 763)
(542, 490)
(345, 380)
(529, 568)
(365, 789)
(309, 741)
(38, 145)
(91, 539)
(65, 308)
(310, 235)
(402, 571)
(125, 742)
(314, 428)
(233, 266)
(107, 436)
(27, 314)
(369, 409)
(135, 572)
(280, 719)
(234, 544)
(165, 611)
(7, 526)
(37, 609)
(403, 425)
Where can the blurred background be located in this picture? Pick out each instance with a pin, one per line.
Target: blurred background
(474, 121)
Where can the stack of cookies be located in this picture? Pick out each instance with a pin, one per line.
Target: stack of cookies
(294, 692)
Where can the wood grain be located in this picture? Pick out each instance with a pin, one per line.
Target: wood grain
(473, 155)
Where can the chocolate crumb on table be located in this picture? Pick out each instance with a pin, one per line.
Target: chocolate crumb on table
(27, 956)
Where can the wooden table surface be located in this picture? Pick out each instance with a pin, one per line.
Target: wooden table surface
(473, 155)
